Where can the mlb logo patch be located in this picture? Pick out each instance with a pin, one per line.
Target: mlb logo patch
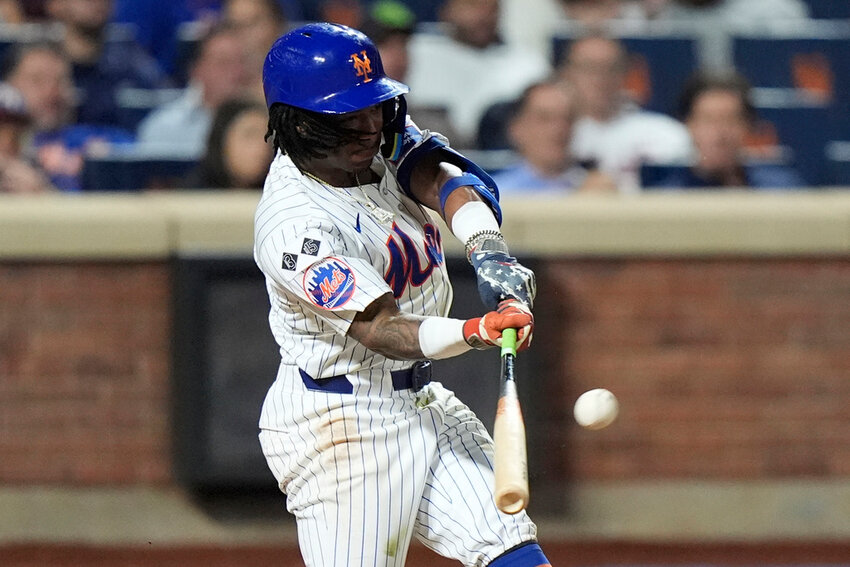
(289, 261)
(310, 246)
(329, 283)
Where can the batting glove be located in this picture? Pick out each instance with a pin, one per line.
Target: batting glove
(501, 277)
(485, 332)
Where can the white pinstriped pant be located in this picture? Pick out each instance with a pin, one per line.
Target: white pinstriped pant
(364, 475)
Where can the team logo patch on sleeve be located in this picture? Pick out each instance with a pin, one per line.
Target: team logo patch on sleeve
(329, 283)
(289, 261)
(310, 246)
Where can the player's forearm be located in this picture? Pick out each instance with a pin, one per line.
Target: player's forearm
(394, 337)
(383, 328)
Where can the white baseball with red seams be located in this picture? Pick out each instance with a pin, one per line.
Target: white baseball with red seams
(596, 409)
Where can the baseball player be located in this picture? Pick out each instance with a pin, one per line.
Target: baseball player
(369, 450)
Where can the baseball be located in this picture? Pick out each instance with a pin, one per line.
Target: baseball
(596, 409)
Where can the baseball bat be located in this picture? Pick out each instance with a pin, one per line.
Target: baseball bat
(511, 461)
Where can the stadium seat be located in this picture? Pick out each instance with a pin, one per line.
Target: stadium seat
(133, 173)
(811, 63)
(493, 127)
(804, 130)
(800, 78)
(828, 9)
(838, 160)
(12, 35)
(652, 174)
(134, 104)
(659, 64)
(656, 176)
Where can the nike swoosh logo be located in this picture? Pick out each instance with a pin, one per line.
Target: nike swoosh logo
(357, 223)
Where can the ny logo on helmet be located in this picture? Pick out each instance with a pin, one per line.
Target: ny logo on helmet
(362, 66)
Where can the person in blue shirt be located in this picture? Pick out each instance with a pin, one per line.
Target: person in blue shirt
(718, 113)
(17, 173)
(540, 130)
(58, 144)
(104, 61)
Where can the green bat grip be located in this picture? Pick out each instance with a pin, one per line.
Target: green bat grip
(509, 342)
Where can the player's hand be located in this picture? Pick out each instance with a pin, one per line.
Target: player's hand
(485, 332)
(501, 277)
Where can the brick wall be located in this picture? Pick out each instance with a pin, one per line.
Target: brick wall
(725, 369)
(84, 373)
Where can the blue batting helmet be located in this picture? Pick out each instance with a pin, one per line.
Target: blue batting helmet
(327, 68)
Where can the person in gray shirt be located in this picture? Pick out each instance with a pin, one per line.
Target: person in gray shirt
(218, 73)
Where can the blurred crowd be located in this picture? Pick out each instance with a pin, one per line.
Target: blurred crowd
(547, 94)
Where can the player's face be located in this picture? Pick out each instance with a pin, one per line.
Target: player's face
(357, 156)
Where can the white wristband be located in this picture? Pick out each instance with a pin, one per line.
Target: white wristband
(442, 337)
(473, 217)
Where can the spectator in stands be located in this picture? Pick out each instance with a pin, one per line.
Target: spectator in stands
(718, 112)
(346, 12)
(102, 65)
(468, 68)
(42, 74)
(260, 22)
(541, 130)
(217, 74)
(390, 25)
(611, 130)
(14, 119)
(11, 12)
(22, 11)
(204, 11)
(592, 13)
(162, 25)
(16, 174)
(156, 25)
(237, 155)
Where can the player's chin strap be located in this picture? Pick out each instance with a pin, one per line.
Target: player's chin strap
(405, 145)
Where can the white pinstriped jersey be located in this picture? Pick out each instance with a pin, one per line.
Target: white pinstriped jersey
(366, 467)
(326, 256)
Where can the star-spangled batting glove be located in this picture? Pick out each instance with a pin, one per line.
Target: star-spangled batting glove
(501, 277)
(485, 332)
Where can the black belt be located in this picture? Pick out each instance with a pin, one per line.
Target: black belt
(412, 378)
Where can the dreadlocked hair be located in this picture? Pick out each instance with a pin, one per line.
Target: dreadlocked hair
(304, 134)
